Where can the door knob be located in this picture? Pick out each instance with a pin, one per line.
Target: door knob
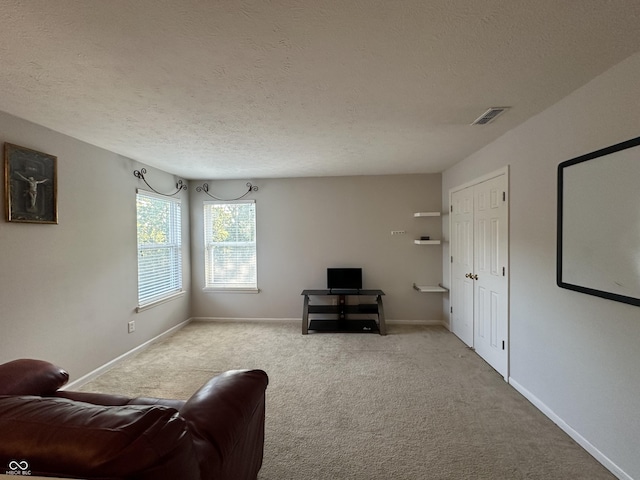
(467, 275)
(475, 277)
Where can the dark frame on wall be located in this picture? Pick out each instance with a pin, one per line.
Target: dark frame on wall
(30, 185)
(598, 223)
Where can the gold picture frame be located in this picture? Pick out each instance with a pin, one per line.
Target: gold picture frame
(31, 180)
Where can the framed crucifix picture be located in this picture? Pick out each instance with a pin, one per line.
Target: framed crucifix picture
(30, 185)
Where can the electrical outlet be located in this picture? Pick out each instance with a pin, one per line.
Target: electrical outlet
(132, 326)
(398, 232)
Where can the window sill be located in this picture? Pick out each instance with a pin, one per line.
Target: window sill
(230, 290)
(147, 306)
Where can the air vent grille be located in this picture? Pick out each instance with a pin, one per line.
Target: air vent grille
(489, 115)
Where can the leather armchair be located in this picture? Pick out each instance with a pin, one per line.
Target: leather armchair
(217, 434)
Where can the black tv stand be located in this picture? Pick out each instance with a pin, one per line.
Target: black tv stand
(340, 321)
(342, 291)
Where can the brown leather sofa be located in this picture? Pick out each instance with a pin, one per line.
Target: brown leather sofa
(217, 434)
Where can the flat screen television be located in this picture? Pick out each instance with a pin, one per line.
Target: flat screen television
(344, 278)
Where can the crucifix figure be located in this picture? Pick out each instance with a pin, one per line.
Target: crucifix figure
(33, 189)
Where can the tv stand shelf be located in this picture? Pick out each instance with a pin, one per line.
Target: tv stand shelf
(340, 313)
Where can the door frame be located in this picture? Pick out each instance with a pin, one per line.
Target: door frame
(501, 171)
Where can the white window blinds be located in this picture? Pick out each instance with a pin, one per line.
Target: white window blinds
(230, 245)
(159, 247)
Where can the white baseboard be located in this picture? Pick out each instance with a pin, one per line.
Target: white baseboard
(434, 323)
(429, 323)
(580, 440)
(109, 365)
(239, 319)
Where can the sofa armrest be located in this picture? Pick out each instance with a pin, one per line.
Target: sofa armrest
(28, 376)
(61, 437)
(226, 419)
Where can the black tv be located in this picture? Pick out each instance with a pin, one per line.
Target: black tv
(344, 278)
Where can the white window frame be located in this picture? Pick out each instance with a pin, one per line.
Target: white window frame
(154, 289)
(210, 244)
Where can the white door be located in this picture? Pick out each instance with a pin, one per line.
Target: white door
(462, 264)
(479, 273)
(490, 329)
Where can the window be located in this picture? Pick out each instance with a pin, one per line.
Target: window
(159, 248)
(230, 245)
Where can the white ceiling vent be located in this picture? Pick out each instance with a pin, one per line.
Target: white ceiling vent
(489, 115)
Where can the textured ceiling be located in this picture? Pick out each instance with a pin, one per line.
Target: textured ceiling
(285, 88)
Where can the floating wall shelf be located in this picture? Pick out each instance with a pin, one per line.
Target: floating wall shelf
(430, 288)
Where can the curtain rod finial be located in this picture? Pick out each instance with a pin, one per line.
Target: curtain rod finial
(180, 185)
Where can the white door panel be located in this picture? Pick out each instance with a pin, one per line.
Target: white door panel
(479, 250)
(462, 264)
(490, 254)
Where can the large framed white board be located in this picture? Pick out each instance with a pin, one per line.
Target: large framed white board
(599, 223)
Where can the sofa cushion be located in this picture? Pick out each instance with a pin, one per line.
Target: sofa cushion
(31, 377)
(61, 436)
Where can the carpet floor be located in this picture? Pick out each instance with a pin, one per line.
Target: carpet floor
(415, 404)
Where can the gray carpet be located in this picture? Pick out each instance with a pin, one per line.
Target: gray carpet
(416, 404)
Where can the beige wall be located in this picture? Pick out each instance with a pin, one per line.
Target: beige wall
(67, 291)
(575, 356)
(308, 224)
